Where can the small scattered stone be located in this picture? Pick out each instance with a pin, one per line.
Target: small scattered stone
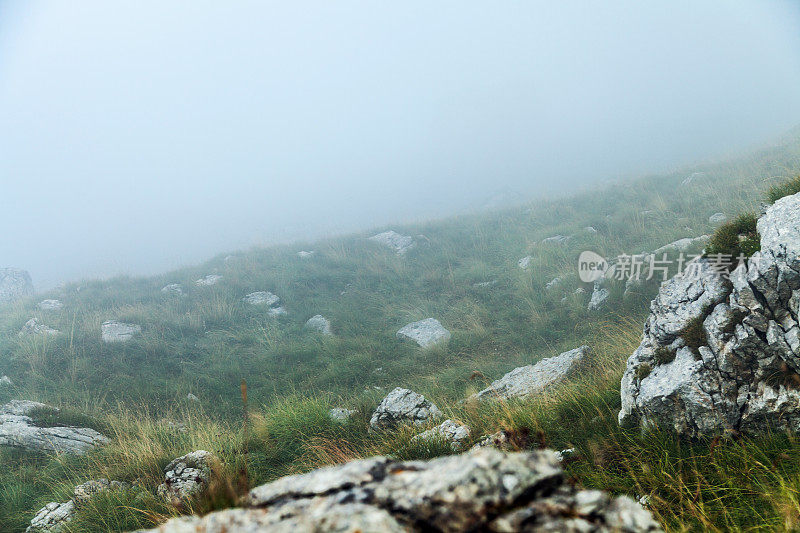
(113, 331)
(449, 431)
(340, 414)
(525, 262)
(14, 284)
(304, 254)
(192, 398)
(187, 477)
(320, 324)
(717, 218)
(173, 288)
(50, 305)
(261, 298)
(6, 381)
(552, 284)
(209, 280)
(556, 239)
(397, 242)
(403, 406)
(425, 333)
(34, 327)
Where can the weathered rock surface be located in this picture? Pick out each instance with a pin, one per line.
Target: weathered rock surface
(34, 327)
(14, 284)
(556, 239)
(722, 355)
(305, 253)
(525, 262)
(320, 324)
(531, 379)
(187, 477)
(486, 490)
(717, 218)
(52, 518)
(448, 431)
(113, 331)
(209, 280)
(50, 305)
(553, 284)
(340, 414)
(425, 333)
(397, 242)
(403, 406)
(261, 298)
(173, 288)
(5, 381)
(18, 430)
(55, 516)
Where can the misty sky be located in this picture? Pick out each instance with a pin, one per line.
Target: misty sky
(141, 136)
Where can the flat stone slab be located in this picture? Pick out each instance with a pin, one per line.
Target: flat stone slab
(112, 331)
(425, 333)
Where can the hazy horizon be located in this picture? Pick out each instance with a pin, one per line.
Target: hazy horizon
(140, 137)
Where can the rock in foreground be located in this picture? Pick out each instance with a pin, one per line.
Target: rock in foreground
(486, 490)
(425, 333)
(403, 406)
(527, 380)
(18, 430)
(723, 356)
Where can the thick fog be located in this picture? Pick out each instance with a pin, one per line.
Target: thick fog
(145, 135)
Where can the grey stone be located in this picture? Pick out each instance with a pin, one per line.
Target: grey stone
(525, 262)
(739, 377)
(717, 218)
(397, 242)
(277, 311)
(187, 477)
(553, 284)
(448, 431)
(589, 229)
(599, 298)
(403, 406)
(261, 298)
(485, 490)
(556, 239)
(18, 430)
(52, 518)
(532, 379)
(425, 333)
(14, 284)
(173, 288)
(6, 381)
(85, 491)
(50, 305)
(209, 280)
(34, 327)
(305, 253)
(340, 414)
(192, 398)
(320, 324)
(113, 331)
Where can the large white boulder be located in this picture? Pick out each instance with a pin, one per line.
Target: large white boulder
(425, 333)
(722, 355)
(531, 379)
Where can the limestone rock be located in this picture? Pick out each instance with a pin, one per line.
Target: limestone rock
(187, 477)
(556, 239)
(305, 253)
(113, 331)
(261, 298)
(50, 305)
(589, 229)
(425, 333)
(52, 518)
(717, 218)
(693, 177)
(320, 324)
(403, 406)
(485, 490)
(85, 491)
(484, 284)
(340, 414)
(277, 311)
(448, 431)
(18, 430)
(5, 381)
(34, 327)
(208, 281)
(525, 262)
(553, 284)
(14, 284)
(721, 355)
(531, 379)
(599, 298)
(175, 289)
(397, 242)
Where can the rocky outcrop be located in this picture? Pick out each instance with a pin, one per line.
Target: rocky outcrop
(723, 356)
(112, 331)
(599, 298)
(397, 242)
(525, 262)
(34, 327)
(403, 406)
(532, 379)
(486, 490)
(448, 431)
(187, 477)
(320, 324)
(18, 430)
(14, 284)
(50, 305)
(55, 516)
(209, 280)
(425, 333)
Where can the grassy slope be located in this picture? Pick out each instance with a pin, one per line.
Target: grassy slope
(208, 340)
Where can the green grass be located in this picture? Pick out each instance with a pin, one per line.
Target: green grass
(736, 239)
(786, 188)
(208, 340)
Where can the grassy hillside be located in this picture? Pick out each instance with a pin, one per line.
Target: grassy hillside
(206, 341)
